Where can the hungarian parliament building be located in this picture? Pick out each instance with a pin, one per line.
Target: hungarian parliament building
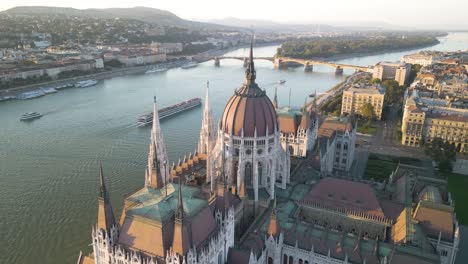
(271, 185)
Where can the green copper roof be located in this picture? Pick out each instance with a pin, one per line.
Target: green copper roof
(155, 205)
(286, 111)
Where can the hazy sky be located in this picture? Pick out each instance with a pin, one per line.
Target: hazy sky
(397, 12)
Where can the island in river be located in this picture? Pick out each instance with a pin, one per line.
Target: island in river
(343, 46)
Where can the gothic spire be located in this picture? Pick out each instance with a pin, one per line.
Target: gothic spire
(273, 226)
(225, 191)
(157, 173)
(180, 242)
(179, 216)
(275, 99)
(105, 214)
(207, 132)
(304, 108)
(250, 73)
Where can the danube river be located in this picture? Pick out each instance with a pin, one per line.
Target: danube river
(49, 167)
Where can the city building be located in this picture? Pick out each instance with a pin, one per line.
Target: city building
(51, 69)
(423, 58)
(167, 48)
(392, 71)
(359, 94)
(234, 201)
(249, 138)
(298, 129)
(334, 150)
(426, 118)
(133, 59)
(408, 220)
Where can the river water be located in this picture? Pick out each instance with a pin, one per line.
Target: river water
(49, 167)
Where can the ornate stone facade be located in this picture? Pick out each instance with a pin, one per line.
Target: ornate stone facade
(249, 139)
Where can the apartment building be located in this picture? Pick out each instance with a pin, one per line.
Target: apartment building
(392, 71)
(355, 97)
(427, 118)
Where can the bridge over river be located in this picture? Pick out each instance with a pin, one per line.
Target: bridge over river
(283, 62)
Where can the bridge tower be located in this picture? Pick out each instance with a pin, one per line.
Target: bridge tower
(279, 64)
(308, 67)
(216, 61)
(338, 70)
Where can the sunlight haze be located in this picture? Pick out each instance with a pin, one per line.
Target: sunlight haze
(417, 13)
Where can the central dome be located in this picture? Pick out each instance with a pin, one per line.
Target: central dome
(249, 109)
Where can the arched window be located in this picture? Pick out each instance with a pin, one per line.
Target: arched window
(270, 260)
(220, 258)
(291, 260)
(285, 259)
(291, 150)
(300, 261)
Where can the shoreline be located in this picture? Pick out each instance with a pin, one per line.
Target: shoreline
(14, 91)
(171, 65)
(96, 76)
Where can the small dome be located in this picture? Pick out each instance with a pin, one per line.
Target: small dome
(249, 109)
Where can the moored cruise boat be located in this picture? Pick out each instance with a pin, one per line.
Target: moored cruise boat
(190, 65)
(49, 90)
(6, 98)
(31, 94)
(155, 70)
(30, 115)
(281, 81)
(66, 85)
(147, 119)
(86, 83)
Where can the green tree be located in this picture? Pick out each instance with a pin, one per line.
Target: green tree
(441, 152)
(394, 92)
(414, 72)
(367, 111)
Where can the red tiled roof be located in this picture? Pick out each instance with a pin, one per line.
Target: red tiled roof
(347, 195)
(435, 218)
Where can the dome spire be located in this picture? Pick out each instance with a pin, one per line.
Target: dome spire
(250, 73)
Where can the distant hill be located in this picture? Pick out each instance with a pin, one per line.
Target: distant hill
(145, 14)
(265, 25)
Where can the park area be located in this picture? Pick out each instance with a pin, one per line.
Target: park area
(379, 167)
(458, 186)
